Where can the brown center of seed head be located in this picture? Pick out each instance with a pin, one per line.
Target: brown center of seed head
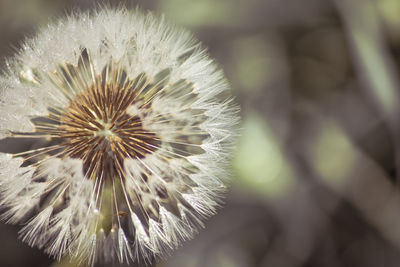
(97, 129)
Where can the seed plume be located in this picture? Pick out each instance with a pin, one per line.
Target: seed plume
(129, 129)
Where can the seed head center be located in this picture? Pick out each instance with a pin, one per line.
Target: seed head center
(105, 131)
(98, 129)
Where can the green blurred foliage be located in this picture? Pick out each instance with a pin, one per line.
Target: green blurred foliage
(260, 163)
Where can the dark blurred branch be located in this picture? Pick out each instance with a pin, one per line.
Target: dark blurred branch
(374, 65)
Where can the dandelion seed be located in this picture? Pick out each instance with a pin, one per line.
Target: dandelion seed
(130, 137)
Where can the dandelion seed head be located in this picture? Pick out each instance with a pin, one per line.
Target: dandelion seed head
(129, 132)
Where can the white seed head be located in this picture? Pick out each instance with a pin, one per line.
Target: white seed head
(130, 135)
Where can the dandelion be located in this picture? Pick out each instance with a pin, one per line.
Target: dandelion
(130, 131)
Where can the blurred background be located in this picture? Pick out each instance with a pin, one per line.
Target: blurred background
(316, 173)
